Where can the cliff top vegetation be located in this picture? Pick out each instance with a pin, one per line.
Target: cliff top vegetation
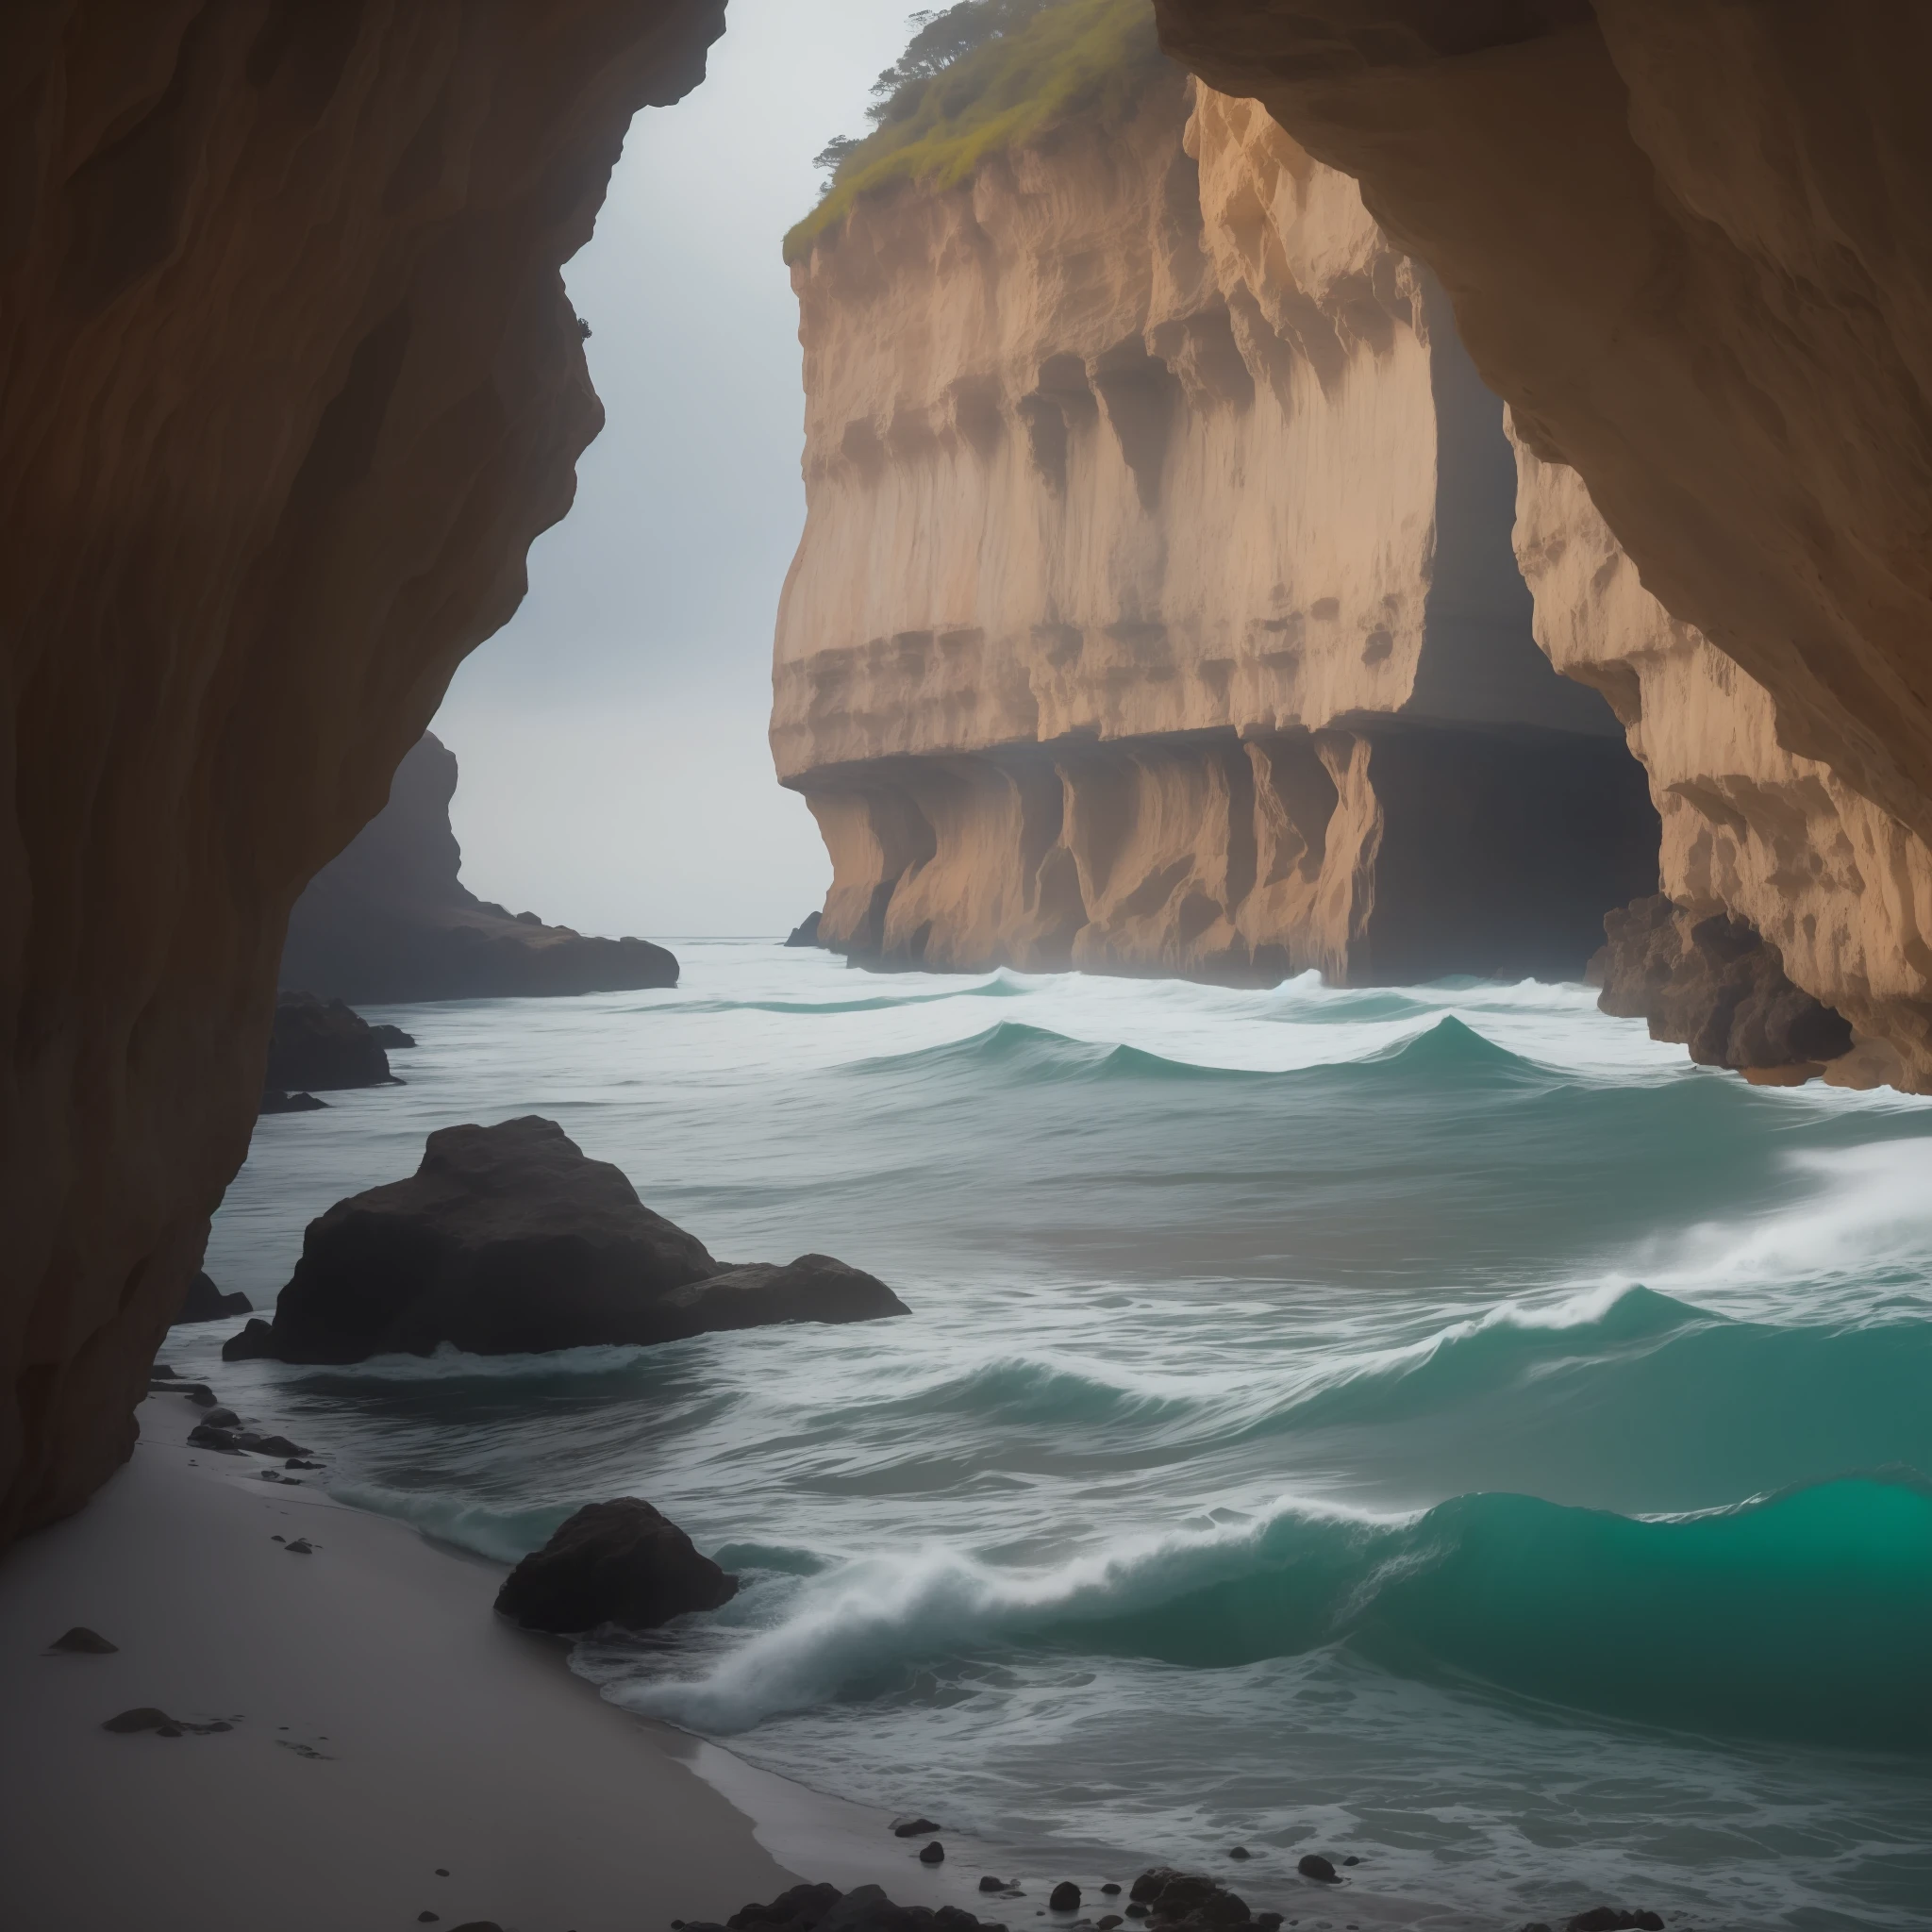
(980, 77)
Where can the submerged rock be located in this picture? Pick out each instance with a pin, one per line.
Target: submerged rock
(619, 1562)
(1313, 1865)
(509, 1240)
(205, 1302)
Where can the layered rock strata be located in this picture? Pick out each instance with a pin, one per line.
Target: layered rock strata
(290, 383)
(390, 921)
(1155, 608)
(1691, 247)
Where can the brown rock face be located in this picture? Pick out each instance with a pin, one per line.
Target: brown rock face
(1155, 609)
(290, 383)
(1716, 986)
(390, 921)
(1691, 246)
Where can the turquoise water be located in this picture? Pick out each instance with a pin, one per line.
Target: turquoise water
(1438, 1425)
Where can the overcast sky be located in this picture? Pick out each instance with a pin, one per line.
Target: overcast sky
(612, 738)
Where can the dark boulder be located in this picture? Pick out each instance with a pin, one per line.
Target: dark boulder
(507, 1240)
(1714, 985)
(805, 933)
(205, 1302)
(1188, 1900)
(933, 1853)
(619, 1562)
(1064, 1897)
(1313, 1865)
(760, 1294)
(320, 1044)
(392, 1039)
(275, 1102)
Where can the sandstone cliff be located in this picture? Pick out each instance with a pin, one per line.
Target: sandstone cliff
(1838, 886)
(290, 383)
(1691, 246)
(389, 920)
(1156, 608)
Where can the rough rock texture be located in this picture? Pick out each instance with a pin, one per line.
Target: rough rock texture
(1718, 986)
(1156, 608)
(290, 383)
(321, 1044)
(1691, 246)
(508, 1240)
(389, 921)
(1840, 889)
(619, 1562)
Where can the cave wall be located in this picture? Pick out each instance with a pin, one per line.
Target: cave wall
(1157, 540)
(290, 383)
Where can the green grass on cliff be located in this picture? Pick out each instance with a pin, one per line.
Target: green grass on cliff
(1068, 57)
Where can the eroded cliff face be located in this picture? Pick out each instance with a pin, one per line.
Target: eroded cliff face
(1840, 888)
(291, 384)
(1155, 608)
(1691, 246)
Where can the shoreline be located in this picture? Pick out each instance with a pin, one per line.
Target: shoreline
(386, 1724)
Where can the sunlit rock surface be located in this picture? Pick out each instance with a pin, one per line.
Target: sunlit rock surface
(290, 383)
(1691, 246)
(1155, 608)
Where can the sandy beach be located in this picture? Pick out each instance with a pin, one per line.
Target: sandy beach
(385, 1724)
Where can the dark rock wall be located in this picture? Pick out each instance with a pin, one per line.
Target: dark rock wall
(291, 384)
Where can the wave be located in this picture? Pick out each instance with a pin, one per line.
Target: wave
(1445, 1052)
(998, 987)
(1799, 1616)
(502, 1534)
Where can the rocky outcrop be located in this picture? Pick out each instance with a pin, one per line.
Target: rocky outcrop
(323, 1043)
(390, 921)
(1715, 985)
(205, 1302)
(1837, 890)
(292, 382)
(619, 1562)
(1691, 247)
(1155, 608)
(508, 1241)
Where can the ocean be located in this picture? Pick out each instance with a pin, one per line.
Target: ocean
(1436, 1426)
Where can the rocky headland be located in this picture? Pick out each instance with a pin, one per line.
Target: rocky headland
(390, 922)
(1155, 608)
(507, 1240)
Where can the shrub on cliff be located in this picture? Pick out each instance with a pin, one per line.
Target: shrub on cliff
(983, 76)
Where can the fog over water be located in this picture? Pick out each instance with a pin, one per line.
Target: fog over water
(611, 737)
